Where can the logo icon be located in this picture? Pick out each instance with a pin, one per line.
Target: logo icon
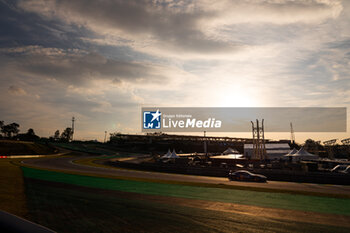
(151, 120)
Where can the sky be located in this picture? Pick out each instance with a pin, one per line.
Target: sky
(102, 60)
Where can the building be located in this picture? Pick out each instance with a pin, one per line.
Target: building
(273, 150)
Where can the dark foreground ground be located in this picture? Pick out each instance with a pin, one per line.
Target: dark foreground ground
(70, 208)
(11, 147)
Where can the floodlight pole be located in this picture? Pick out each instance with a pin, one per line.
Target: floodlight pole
(259, 149)
(292, 135)
(73, 119)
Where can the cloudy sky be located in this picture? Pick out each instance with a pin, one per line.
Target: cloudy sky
(102, 60)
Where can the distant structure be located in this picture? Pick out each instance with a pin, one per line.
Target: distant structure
(330, 142)
(346, 141)
(104, 141)
(258, 141)
(162, 137)
(292, 136)
(274, 150)
(73, 119)
(329, 146)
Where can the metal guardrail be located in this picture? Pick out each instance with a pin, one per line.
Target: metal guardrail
(13, 223)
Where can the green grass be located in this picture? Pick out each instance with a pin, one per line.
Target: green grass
(264, 199)
(65, 209)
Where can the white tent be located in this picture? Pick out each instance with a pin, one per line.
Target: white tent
(173, 155)
(230, 151)
(302, 154)
(292, 152)
(167, 155)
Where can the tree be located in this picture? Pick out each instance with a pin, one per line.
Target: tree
(29, 136)
(10, 129)
(30, 132)
(1, 125)
(67, 134)
(312, 146)
(56, 136)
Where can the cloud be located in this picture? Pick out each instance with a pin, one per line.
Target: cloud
(13, 90)
(19, 28)
(74, 66)
(183, 27)
(157, 25)
(88, 85)
(278, 12)
(101, 60)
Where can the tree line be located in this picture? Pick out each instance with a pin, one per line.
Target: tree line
(11, 131)
(65, 136)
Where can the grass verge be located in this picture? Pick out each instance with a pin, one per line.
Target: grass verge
(264, 199)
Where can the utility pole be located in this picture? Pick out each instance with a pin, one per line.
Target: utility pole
(73, 119)
(292, 136)
(105, 137)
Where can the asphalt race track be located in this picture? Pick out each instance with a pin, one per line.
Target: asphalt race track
(67, 164)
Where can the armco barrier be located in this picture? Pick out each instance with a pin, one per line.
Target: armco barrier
(271, 174)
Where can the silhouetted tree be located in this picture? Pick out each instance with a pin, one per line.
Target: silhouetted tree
(312, 146)
(29, 136)
(1, 125)
(10, 129)
(30, 132)
(67, 134)
(56, 136)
